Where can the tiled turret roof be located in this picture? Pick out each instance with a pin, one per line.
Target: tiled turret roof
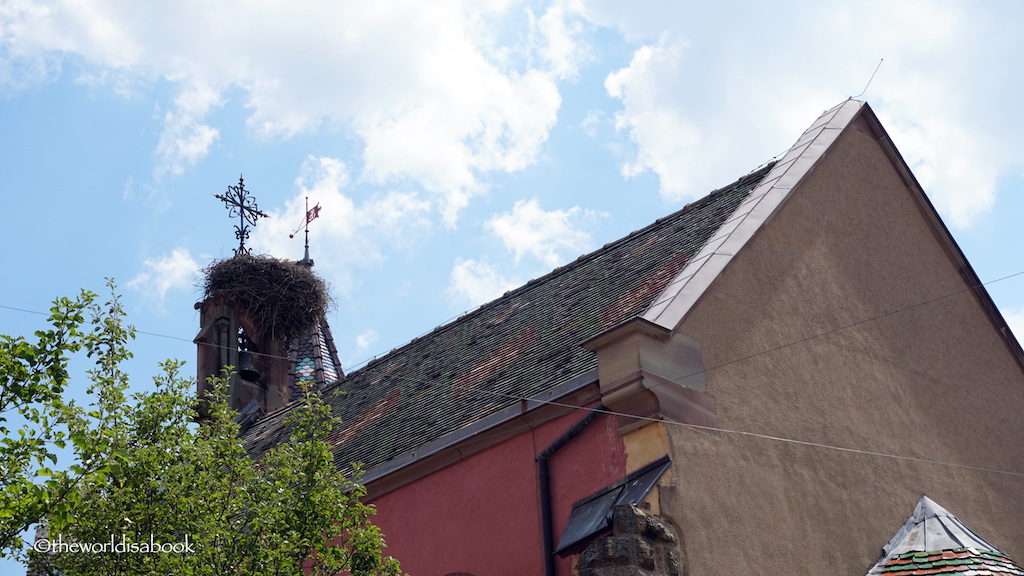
(962, 561)
(313, 360)
(933, 541)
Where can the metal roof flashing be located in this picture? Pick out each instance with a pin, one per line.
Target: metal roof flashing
(592, 516)
(683, 292)
(637, 324)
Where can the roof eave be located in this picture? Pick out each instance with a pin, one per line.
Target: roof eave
(581, 392)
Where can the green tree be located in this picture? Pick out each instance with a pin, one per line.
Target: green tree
(33, 376)
(157, 493)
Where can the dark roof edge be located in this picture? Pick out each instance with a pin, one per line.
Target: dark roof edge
(974, 283)
(576, 393)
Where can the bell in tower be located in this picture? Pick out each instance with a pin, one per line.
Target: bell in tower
(246, 366)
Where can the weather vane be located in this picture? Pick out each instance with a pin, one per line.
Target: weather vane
(311, 214)
(240, 204)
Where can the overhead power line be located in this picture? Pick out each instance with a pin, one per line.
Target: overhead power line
(731, 362)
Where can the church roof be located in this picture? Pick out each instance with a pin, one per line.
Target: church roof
(527, 343)
(517, 346)
(933, 541)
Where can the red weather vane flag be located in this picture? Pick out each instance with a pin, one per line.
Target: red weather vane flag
(311, 214)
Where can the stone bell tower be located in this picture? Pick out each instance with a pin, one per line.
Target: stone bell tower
(229, 335)
(263, 317)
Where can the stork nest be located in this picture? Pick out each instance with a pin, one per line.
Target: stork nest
(282, 296)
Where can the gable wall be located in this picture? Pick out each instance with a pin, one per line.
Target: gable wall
(481, 515)
(932, 382)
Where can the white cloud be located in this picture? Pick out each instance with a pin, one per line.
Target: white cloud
(365, 342)
(1015, 319)
(720, 91)
(666, 141)
(560, 29)
(128, 191)
(175, 271)
(473, 282)
(322, 175)
(592, 122)
(430, 87)
(528, 230)
(184, 142)
(348, 234)
(548, 237)
(956, 172)
(186, 139)
(444, 93)
(462, 125)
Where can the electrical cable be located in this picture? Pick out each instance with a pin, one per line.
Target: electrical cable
(477, 391)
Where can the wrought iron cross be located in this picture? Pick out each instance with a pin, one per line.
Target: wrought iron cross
(240, 204)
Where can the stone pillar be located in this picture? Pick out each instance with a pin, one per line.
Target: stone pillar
(641, 544)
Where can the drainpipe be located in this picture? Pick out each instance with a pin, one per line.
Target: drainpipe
(544, 483)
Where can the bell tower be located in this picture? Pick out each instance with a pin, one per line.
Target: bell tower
(265, 318)
(231, 335)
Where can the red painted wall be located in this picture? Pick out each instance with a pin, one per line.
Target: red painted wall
(481, 515)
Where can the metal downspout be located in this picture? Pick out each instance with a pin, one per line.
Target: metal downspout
(544, 483)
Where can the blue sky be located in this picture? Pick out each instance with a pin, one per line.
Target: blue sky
(458, 148)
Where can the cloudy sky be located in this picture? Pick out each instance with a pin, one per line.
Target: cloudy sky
(458, 148)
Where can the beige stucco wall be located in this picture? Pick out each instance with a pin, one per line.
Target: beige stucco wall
(932, 382)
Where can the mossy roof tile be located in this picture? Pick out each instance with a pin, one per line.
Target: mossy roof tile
(517, 346)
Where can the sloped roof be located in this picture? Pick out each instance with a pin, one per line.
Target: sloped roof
(515, 347)
(528, 341)
(933, 541)
(962, 561)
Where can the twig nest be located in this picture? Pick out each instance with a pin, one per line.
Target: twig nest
(284, 297)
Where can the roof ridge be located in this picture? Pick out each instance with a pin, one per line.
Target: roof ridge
(753, 175)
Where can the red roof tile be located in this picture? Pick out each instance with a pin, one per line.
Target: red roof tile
(961, 561)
